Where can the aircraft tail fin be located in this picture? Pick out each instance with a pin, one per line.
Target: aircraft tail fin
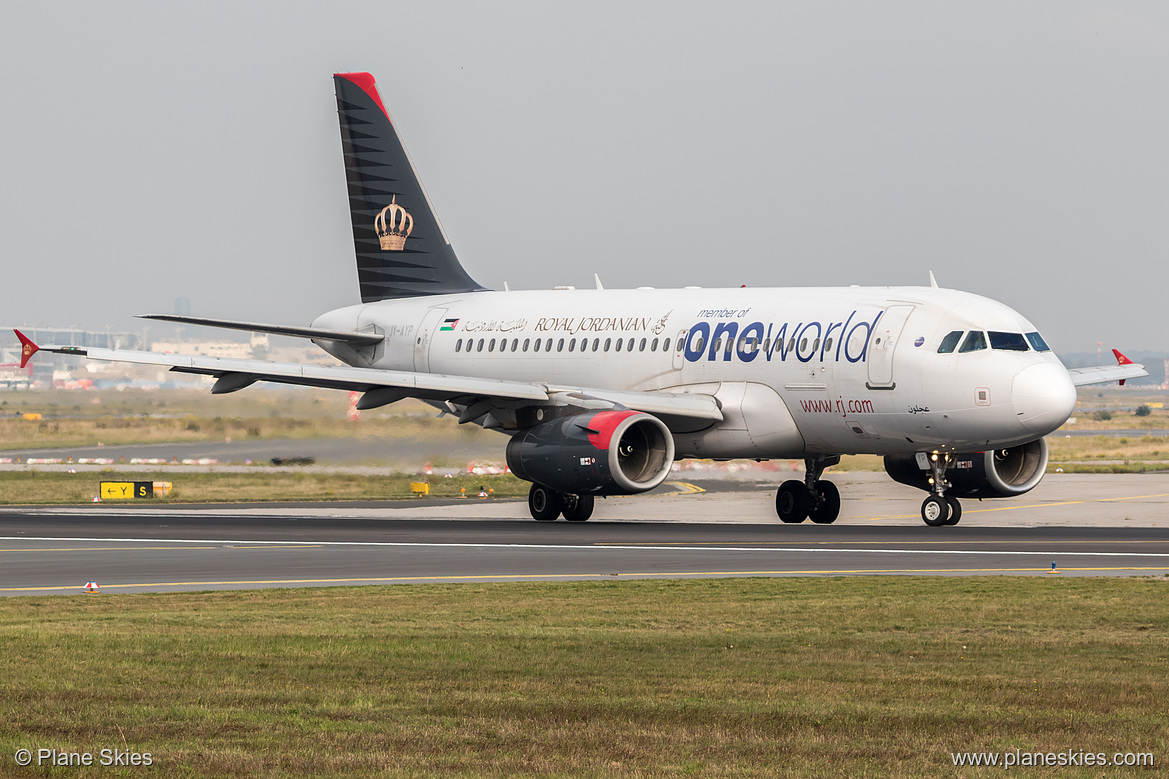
(401, 248)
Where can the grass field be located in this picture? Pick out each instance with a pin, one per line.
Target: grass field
(86, 418)
(735, 677)
(58, 487)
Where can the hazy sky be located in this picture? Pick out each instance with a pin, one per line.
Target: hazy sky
(1020, 150)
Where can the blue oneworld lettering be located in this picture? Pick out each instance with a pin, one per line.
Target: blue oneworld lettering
(807, 341)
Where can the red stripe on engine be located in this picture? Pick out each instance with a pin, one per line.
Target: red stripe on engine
(602, 426)
(368, 85)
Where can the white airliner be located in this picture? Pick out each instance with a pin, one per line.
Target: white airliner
(602, 390)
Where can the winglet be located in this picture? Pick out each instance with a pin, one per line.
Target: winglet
(933, 281)
(1121, 360)
(27, 348)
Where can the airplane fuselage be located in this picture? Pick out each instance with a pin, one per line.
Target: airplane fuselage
(796, 371)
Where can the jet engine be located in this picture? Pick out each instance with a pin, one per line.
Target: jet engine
(996, 473)
(594, 453)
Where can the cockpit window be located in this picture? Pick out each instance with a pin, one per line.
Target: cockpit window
(975, 341)
(950, 342)
(1008, 342)
(1037, 342)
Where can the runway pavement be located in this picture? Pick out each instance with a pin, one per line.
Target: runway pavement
(1086, 525)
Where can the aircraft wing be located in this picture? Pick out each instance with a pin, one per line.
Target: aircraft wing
(1102, 374)
(475, 396)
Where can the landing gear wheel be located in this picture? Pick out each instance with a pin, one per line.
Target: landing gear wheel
(828, 508)
(792, 502)
(935, 511)
(578, 508)
(955, 511)
(545, 504)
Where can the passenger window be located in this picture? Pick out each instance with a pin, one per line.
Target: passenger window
(1037, 342)
(572, 345)
(527, 342)
(975, 341)
(653, 347)
(617, 347)
(767, 344)
(666, 345)
(491, 345)
(791, 345)
(815, 345)
(803, 344)
(548, 345)
(459, 345)
(480, 345)
(828, 346)
(596, 344)
(535, 345)
(560, 346)
(643, 344)
(950, 342)
(730, 345)
(515, 344)
(718, 345)
(608, 343)
(1008, 342)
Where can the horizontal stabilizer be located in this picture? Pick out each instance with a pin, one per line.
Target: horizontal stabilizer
(315, 333)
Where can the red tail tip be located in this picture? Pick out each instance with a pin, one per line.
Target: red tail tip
(1120, 358)
(27, 348)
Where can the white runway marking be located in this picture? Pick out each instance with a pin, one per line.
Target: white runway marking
(594, 547)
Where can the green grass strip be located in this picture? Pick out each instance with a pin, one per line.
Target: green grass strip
(730, 677)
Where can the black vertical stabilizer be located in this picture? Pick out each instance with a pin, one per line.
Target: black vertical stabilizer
(401, 248)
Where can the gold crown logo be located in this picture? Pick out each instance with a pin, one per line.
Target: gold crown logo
(393, 225)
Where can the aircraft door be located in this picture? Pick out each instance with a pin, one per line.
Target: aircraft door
(883, 344)
(680, 350)
(422, 339)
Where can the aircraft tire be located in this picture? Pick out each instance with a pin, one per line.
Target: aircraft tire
(792, 502)
(544, 504)
(935, 511)
(828, 509)
(955, 511)
(578, 508)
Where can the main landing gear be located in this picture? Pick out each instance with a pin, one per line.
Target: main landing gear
(938, 509)
(547, 505)
(812, 498)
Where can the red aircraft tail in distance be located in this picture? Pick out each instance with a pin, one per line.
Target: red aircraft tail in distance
(27, 348)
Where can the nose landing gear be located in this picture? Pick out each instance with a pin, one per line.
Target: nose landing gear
(938, 509)
(812, 498)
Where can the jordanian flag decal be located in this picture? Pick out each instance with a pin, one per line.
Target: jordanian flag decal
(448, 324)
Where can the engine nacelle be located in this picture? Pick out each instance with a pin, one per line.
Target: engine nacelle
(594, 453)
(997, 473)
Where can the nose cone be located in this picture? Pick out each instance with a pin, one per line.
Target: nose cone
(1044, 397)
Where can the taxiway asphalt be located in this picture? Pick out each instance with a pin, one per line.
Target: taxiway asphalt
(1086, 525)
